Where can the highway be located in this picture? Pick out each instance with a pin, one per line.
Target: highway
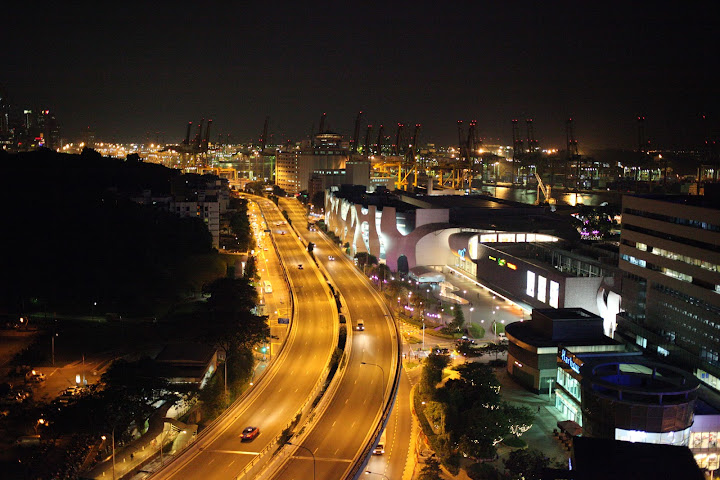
(288, 383)
(344, 429)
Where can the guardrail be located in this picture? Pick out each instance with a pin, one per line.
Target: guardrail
(361, 459)
(209, 428)
(306, 412)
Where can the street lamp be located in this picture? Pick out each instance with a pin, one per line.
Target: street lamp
(368, 472)
(53, 347)
(113, 451)
(311, 453)
(383, 372)
(40, 421)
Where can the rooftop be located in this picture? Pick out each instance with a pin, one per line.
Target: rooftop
(704, 201)
(596, 458)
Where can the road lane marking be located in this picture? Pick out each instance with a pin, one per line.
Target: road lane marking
(235, 452)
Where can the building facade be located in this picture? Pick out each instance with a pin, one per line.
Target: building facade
(626, 397)
(670, 262)
(295, 166)
(533, 346)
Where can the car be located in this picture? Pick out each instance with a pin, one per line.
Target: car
(300, 267)
(250, 433)
(360, 326)
(35, 376)
(330, 257)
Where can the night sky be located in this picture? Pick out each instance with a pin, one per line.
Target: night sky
(128, 69)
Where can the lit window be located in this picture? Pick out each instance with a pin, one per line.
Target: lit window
(542, 288)
(554, 294)
(530, 289)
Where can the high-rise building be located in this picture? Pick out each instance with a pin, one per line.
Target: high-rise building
(670, 262)
(4, 115)
(295, 166)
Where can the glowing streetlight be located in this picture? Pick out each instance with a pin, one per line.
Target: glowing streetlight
(383, 375)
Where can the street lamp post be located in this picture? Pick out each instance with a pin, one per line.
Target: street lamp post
(423, 334)
(383, 373)
(113, 451)
(40, 421)
(309, 451)
(52, 341)
(368, 472)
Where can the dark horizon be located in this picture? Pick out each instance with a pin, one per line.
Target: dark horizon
(147, 69)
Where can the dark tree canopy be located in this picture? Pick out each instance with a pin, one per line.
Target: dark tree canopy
(79, 240)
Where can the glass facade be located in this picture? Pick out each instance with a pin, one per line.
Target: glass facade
(679, 438)
(567, 407)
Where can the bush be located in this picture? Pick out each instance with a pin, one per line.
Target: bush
(476, 331)
(515, 442)
(483, 471)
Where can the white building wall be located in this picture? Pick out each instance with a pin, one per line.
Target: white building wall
(582, 292)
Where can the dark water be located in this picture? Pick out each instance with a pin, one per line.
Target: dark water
(529, 196)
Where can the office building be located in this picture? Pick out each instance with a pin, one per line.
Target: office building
(670, 262)
(295, 166)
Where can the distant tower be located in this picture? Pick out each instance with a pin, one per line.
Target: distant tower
(4, 113)
(642, 142)
(398, 150)
(366, 147)
(532, 144)
(572, 151)
(518, 149)
(380, 138)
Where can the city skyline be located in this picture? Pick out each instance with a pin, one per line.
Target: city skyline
(127, 73)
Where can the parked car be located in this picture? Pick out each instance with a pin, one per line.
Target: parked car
(35, 376)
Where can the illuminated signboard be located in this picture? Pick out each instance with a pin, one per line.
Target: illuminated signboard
(492, 258)
(462, 253)
(570, 360)
(501, 262)
(511, 266)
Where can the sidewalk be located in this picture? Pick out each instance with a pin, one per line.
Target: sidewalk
(136, 452)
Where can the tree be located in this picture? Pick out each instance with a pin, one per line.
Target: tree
(318, 200)
(364, 258)
(431, 470)
(231, 322)
(527, 464)
(432, 371)
(483, 471)
(476, 414)
(459, 318)
(251, 268)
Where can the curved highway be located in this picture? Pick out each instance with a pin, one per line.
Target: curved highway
(288, 384)
(345, 428)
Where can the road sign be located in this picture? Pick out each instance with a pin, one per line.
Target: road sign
(285, 321)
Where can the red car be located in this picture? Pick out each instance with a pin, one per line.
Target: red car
(250, 433)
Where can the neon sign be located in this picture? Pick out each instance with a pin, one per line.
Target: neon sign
(570, 360)
(462, 253)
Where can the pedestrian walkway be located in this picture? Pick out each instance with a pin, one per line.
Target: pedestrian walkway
(540, 436)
